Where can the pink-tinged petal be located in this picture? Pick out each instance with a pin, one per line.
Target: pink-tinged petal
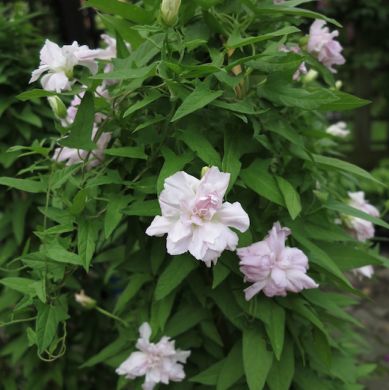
(149, 385)
(135, 365)
(298, 281)
(277, 237)
(253, 290)
(145, 331)
(178, 188)
(160, 226)
(234, 216)
(278, 276)
(214, 181)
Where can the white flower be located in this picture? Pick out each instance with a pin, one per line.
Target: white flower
(361, 229)
(274, 268)
(324, 46)
(338, 130)
(195, 218)
(158, 363)
(366, 271)
(58, 64)
(84, 300)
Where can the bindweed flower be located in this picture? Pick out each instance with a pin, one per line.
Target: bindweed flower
(158, 363)
(361, 229)
(323, 45)
(58, 64)
(273, 267)
(338, 130)
(84, 300)
(195, 218)
(169, 11)
(302, 70)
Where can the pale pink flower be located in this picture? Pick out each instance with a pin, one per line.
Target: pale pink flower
(158, 362)
(323, 45)
(58, 63)
(195, 218)
(338, 130)
(361, 229)
(273, 267)
(302, 70)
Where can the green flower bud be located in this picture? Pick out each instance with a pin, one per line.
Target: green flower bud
(339, 85)
(204, 171)
(311, 76)
(169, 11)
(57, 106)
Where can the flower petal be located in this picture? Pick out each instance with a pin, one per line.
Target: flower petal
(234, 216)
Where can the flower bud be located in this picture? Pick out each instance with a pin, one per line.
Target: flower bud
(204, 171)
(311, 76)
(339, 85)
(57, 106)
(169, 11)
(84, 300)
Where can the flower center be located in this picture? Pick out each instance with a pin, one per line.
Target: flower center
(206, 206)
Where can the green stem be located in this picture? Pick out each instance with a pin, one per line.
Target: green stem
(2, 324)
(110, 315)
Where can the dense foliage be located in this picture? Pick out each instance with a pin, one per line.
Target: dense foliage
(212, 89)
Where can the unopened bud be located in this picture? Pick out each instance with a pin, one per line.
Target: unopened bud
(311, 76)
(339, 85)
(84, 300)
(169, 11)
(204, 171)
(57, 106)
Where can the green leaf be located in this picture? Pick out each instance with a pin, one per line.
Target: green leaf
(22, 285)
(344, 166)
(257, 360)
(235, 40)
(134, 285)
(148, 99)
(232, 368)
(128, 11)
(48, 318)
(179, 267)
(23, 184)
(220, 272)
(185, 319)
(34, 94)
(128, 73)
(114, 215)
(209, 376)
(348, 210)
(136, 152)
(282, 372)
(316, 254)
(209, 330)
(258, 178)
(283, 9)
(160, 312)
(232, 154)
(275, 329)
(278, 89)
(198, 99)
(197, 142)
(173, 163)
(345, 102)
(291, 197)
(56, 252)
(146, 208)
(86, 241)
(80, 136)
(110, 350)
(79, 203)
